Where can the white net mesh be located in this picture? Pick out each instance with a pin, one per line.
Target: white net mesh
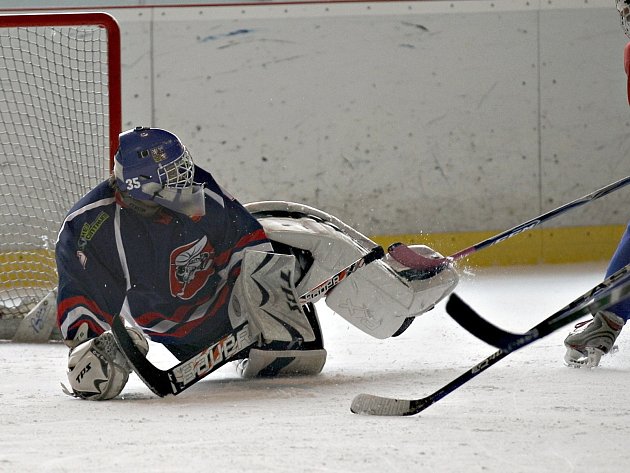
(54, 146)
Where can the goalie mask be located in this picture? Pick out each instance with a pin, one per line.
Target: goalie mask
(153, 165)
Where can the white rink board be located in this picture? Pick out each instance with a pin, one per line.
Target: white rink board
(397, 117)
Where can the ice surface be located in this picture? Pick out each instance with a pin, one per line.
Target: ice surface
(529, 413)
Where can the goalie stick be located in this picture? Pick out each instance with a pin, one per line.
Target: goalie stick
(612, 290)
(404, 255)
(183, 375)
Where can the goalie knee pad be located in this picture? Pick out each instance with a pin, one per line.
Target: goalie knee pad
(265, 295)
(287, 358)
(97, 370)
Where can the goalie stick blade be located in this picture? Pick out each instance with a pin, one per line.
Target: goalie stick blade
(156, 379)
(369, 404)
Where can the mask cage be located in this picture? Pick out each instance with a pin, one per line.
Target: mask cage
(179, 173)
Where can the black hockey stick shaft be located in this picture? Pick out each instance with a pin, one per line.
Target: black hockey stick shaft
(183, 375)
(610, 291)
(409, 258)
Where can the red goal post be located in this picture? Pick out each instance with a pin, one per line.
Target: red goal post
(60, 116)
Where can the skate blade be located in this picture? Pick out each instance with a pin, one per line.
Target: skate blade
(575, 359)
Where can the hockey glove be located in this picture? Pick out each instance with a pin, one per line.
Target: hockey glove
(97, 370)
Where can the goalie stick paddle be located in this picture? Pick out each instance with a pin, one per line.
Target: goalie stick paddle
(612, 290)
(183, 375)
(406, 256)
(180, 377)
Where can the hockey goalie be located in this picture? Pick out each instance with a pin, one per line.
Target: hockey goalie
(184, 263)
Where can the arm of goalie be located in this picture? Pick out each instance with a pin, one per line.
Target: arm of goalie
(265, 294)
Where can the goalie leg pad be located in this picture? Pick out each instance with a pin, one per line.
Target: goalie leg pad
(267, 363)
(265, 293)
(97, 369)
(380, 298)
(39, 323)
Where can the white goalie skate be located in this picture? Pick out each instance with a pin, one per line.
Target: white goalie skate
(592, 339)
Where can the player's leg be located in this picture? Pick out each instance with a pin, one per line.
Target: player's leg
(591, 339)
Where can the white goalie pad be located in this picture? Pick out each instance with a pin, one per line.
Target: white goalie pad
(265, 294)
(376, 299)
(39, 323)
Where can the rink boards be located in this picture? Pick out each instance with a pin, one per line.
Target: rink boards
(400, 118)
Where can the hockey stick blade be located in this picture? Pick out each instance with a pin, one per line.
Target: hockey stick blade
(470, 320)
(612, 290)
(411, 259)
(370, 404)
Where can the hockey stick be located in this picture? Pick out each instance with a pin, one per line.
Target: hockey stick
(406, 256)
(610, 291)
(183, 375)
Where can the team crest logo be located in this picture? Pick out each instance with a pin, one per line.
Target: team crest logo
(191, 267)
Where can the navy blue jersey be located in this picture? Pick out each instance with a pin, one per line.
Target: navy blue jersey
(169, 275)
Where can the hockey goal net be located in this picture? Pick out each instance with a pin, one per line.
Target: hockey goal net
(59, 123)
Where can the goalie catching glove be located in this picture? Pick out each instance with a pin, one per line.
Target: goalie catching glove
(97, 370)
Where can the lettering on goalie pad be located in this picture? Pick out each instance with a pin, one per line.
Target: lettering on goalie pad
(265, 294)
